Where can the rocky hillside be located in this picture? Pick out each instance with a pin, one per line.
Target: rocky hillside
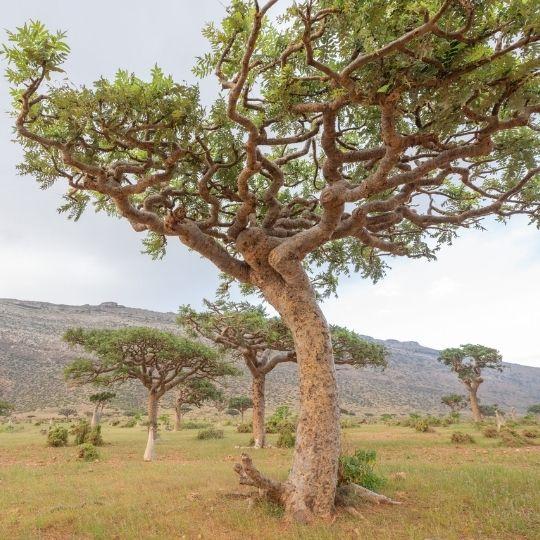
(32, 356)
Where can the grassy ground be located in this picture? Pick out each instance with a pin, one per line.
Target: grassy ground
(477, 491)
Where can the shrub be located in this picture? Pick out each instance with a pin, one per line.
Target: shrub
(94, 436)
(510, 437)
(192, 424)
(529, 420)
(210, 433)
(286, 439)
(423, 426)
(114, 422)
(490, 432)
(246, 427)
(132, 422)
(281, 415)
(530, 433)
(57, 436)
(348, 423)
(81, 430)
(358, 468)
(88, 452)
(461, 438)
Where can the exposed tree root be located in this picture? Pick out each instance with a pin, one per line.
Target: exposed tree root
(348, 496)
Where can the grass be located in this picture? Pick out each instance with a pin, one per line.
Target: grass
(449, 491)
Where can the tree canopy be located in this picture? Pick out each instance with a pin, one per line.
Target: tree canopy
(160, 360)
(247, 330)
(102, 397)
(469, 360)
(5, 408)
(347, 131)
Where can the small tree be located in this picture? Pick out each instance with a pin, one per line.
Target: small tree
(67, 412)
(468, 362)
(160, 360)
(534, 409)
(100, 400)
(195, 392)
(240, 404)
(455, 402)
(6, 408)
(264, 342)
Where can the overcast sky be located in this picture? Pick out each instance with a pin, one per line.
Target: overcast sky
(484, 289)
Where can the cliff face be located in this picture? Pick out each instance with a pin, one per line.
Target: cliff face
(32, 357)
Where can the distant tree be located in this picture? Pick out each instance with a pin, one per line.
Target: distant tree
(240, 404)
(489, 410)
(6, 408)
(456, 402)
(468, 362)
(264, 342)
(100, 400)
(67, 412)
(534, 409)
(195, 393)
(160, 360)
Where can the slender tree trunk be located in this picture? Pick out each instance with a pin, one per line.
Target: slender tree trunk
(95, 417)
(475, 407)
(149, 453)
(178, 420)
(257, 389)
(311, 486)
(242, 415)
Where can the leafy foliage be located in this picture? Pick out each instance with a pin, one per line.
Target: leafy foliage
(454, 401)
(210, 433)
(57, 436)
(358, 468)
(5, 408)
(88, 452)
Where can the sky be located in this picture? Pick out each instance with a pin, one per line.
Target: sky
(483, 289)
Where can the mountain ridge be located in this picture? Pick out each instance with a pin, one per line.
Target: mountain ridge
(32, 357)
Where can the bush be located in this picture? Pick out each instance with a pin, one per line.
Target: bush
(57, 436)
(132, 422)
(490, 432)
(286, 439)
(461, 438)
(423, 426)
(530, 433)
(510, 437)
(281, 415)
(88, 452)
(81, 430)
(94, 437)
(246, 427)
(114, 422)
(358, 468)
(348, 423)
(192, 424)
(210, 433)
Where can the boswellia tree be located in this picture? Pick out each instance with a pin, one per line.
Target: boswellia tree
(467, 362)
(265, 342)
(347, 131)
(100, 400)
(194, 393)
(455, 402)
(160, 360)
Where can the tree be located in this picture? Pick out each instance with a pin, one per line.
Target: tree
(159, 360)
(67, 412)
(347, 133)
(100, 400)
(456, 402)
(534, 409)
(240, 404)
(6, 408)
(195, 392)
(467, 362)
(264, 342)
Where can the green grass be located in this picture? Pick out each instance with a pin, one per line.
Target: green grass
(474, 491)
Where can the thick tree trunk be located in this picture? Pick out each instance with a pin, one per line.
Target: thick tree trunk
(475, 407)
(178, 419)
(149, 453)
(311, 486)
(95, 417)
(259, 432)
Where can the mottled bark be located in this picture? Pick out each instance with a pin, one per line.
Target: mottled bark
(311, 486)
(96, 416)
(475, 407)
(259, 431)
(149, 453)
(178, 414)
